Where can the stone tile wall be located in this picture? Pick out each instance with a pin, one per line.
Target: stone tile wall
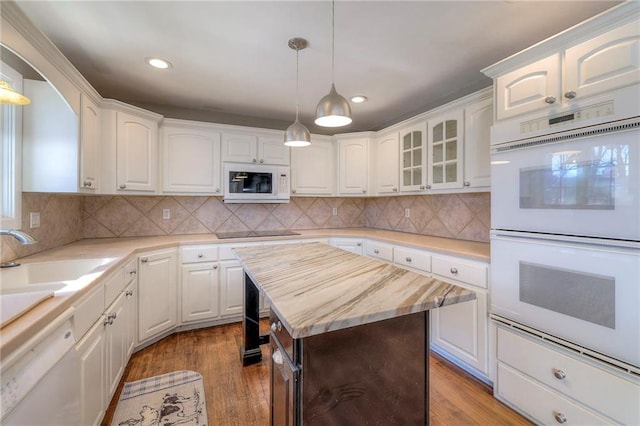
(68, 218)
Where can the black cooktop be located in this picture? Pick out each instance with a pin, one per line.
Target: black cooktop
(245, 234)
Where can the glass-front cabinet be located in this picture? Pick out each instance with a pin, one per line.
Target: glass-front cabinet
(445, 147)
(412, 153)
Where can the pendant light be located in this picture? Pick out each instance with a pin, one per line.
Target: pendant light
(10, 96)
(333, 110)
(297, 134)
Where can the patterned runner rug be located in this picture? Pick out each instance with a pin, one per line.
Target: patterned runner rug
(170, 399)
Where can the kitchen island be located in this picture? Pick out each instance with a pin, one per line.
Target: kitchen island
(349, 334)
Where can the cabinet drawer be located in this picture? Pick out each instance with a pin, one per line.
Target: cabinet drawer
(541, 403)
(113, 286)
(459, 270)
(88, 311)
(378, 250)
(412, 258)
(613, 395)
(204, 253)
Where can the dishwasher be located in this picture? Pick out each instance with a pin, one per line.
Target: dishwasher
(41, 379)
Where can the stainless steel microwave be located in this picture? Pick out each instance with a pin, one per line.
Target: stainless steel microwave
(256, 183)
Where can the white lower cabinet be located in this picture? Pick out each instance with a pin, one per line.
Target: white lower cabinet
(91, 351)
(550, 384)
(115, 337)
(157, 293)
(231, 288)
(200, 291)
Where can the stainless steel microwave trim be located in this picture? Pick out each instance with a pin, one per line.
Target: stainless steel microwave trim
(581, 350)
(582, 132)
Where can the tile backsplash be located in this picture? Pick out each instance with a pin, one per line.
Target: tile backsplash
(68, 218)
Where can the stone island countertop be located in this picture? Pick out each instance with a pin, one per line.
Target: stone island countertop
(315, 288)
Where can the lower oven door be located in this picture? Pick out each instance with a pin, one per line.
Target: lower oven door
(580, 290)
(284, 382)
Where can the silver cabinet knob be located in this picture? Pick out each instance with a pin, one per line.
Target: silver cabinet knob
(255, 160)
(559, 374)
(570, 94)
(364, 191)
(454, 271)
(215, 267)
(560, 418)
(144, 260)
(129, 293)
(261, 161)
(277, 357)
(123, 186)
(276, 326)
(200, 255)
(395, 189)
(217, 190)
(428, 186)
(376, 251)
(133, 272)
(359, 244)
(423, 187)
(87, 184)
(467, 184)
(293, 191)
(407, 259)
(550, 100)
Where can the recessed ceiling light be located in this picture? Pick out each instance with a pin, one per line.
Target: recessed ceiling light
(358, 99)
(158, 63)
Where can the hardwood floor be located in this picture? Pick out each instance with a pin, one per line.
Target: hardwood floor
(238, 396)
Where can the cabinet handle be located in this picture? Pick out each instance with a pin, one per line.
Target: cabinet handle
(144, 260)
(123, 186)
(255, 161)
(129, 293)
(215, 266)
(217, 190)
(200, 255)
(422, 187)
(107, 321)
(364, 191)
(559, 374)
(277, 357)
(87, 184)
(359, 244)
(276, 326)
(113, 315)
(395, 189)
(133, 272)
(293, 191)
(550, 100)
(560, 418)
(453, 271)
(570, 94)
(261, 161)
(467, 184)
(428, 186)
(376, 251)
(407, 259)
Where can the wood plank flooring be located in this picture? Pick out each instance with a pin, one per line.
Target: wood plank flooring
(238, 396)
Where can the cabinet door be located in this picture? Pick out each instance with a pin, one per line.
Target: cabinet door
(131, 318)
(157, 292)
(115, 337)
(191, 161)
(313, 169)
(528, 88)
(478, 118)
(387, 164)
(604, 63)
(461, 330)
(231, 288)
(444, 150)
(89, 140)
(273, 151)
(413, 151)
(136, 153)
(239, 148)
(91, 351)
(353, 170)
(200, 291)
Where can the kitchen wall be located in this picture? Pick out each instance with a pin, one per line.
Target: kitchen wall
(68, 218)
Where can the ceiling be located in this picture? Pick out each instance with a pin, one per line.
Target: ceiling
(231, 62)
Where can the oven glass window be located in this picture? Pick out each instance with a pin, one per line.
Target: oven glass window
(577, 179)
(588, 297)
(250, 183)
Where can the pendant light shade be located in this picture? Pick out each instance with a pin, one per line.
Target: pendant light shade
(333, 110)
(297, 134)
(10, 96)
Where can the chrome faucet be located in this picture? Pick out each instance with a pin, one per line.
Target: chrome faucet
(23, 237)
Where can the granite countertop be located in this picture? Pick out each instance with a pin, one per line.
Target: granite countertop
(19, 331)
(315, 288)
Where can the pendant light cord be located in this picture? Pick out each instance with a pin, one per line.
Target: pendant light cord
(297, 83)
(333, 40)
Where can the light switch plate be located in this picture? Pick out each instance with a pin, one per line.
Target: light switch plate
(34, 219)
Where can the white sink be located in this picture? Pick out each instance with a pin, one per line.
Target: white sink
(58, 276)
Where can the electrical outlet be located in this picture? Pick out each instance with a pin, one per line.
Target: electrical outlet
(166, 214)
(335, 211)
(34, 219)
(407, 212)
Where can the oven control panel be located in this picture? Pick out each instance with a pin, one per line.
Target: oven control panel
(584, 114)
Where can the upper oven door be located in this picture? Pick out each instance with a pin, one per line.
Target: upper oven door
(579, 184)
(584, 293)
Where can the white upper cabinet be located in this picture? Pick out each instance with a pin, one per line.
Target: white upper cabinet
(89, 144)
(353, 165)
(386, 163)
(478, 118)
(251, 148)
(129, 149)
(444, 150)
(190, 159)
(413, 151)
(313, 169)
